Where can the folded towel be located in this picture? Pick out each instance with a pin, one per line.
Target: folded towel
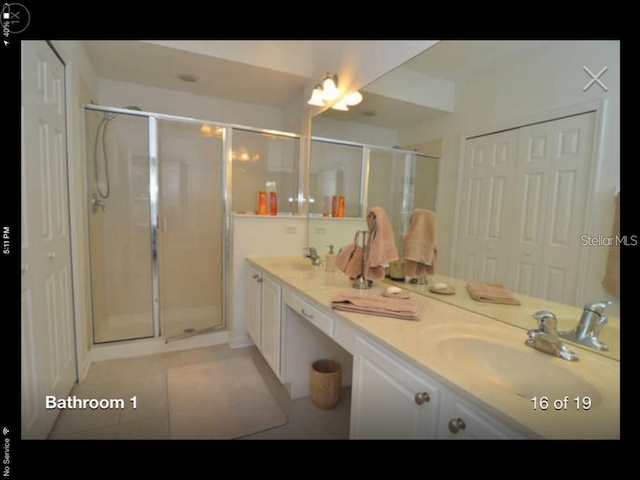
(381, 248)
(419, 249)
(349, 260)
(381, 306)
(491, 292)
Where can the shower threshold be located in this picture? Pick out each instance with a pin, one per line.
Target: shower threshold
(191, 333)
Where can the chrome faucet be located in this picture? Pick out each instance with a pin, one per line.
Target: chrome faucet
(312, 254)
(545, 338)
(588, 329)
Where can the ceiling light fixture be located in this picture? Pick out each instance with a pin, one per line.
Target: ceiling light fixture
(327, 91)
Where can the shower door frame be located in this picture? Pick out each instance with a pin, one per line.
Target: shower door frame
(154, 190)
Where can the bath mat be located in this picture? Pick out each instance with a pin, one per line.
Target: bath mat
(221, 400)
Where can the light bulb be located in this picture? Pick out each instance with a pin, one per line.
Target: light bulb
(341, 105)
(329, 89)
(316, 97)
(354, 98)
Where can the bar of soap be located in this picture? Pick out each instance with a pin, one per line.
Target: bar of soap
(440, 286)
(393, 290)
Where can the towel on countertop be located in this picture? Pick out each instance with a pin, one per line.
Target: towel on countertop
(381, 306)
(419, 251)
(491, 292)
(381, 249)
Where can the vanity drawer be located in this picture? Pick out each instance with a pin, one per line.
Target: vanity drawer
(321, 320)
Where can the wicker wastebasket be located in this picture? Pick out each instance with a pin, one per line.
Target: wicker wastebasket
(326, 381)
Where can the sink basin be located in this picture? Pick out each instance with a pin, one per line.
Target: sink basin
(500, 358)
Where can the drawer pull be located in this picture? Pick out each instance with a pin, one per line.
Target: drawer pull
(422, 397)
(308, 315)
(456, 424)
(255, 275)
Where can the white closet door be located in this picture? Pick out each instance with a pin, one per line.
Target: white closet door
(48, 349)
(554, 163)
(490, 163)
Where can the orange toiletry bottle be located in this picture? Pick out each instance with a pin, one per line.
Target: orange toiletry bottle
(262, 203)
(341, 206)
(273, 203)
(334, 206)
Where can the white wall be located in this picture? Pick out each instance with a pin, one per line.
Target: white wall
(550, 79)
(323, 126)
(170, 102)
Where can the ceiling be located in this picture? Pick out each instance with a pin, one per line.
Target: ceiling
(160, 66)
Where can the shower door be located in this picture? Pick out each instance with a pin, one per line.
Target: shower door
(118, 179)
(190, 227)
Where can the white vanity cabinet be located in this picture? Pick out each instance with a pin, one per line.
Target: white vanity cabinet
(264, 315)
(460, 420)
(391, 399)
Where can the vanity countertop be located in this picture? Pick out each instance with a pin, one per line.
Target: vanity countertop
(517, 315)
(410, 340)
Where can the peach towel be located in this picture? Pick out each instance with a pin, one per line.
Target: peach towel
(419, 249)
(381, 306)
(349, 260)
(491, 292)
(381, 249)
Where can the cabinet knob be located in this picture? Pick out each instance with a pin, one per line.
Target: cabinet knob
(527, 253)
(24, 268)
(308, 315)
(260, 279)
(255, 275)
(422, 397)
(51, 255)
(456, 424)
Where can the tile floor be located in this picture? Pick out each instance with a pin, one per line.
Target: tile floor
(145, 377)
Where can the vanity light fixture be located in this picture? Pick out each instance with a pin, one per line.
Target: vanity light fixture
(327, 91)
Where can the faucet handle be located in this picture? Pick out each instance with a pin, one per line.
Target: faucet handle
(547, 321)
(597, 307)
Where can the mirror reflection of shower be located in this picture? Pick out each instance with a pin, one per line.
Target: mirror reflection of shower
(99, 195)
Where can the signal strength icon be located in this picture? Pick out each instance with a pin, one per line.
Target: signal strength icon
(5, 430)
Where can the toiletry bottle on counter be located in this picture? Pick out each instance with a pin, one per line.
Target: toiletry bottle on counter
(262, 203)
(330, 260)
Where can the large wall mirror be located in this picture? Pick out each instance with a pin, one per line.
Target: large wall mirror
(527, 137)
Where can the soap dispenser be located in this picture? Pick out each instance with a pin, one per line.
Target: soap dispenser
(330, 262)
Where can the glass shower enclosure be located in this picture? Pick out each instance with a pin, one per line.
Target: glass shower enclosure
(156, 198)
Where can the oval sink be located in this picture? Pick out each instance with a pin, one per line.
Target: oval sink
(501, 358)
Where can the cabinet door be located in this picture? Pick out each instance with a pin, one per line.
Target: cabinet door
(389, 399)
(253, 286)
(460, 420)
(270, 328)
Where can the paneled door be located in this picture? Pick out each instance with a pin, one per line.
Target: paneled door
(490, 166)
(48, 362)
(549, 208)
(524, 207)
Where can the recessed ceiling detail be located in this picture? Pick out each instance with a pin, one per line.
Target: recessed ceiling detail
(188, 77)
